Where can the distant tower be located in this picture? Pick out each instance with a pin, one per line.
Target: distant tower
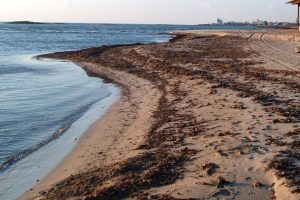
(220, 21)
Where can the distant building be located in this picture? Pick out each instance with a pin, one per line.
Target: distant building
(260, 23)
(220, 21)
(257, 23)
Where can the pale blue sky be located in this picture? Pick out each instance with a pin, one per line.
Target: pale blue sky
(146, 11)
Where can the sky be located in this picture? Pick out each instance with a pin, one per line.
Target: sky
(146, 11)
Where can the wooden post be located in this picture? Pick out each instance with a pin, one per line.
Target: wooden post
(298, 15)
(298, 23)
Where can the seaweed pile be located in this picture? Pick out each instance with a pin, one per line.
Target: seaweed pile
(286, 162)
(122, 179)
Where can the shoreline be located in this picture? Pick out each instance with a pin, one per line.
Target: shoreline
(75, 161)
(145, 143)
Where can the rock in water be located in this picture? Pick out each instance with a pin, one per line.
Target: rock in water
(297, 49)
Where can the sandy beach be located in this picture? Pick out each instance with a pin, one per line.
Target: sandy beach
(208, 115)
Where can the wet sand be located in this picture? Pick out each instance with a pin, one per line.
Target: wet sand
(208, 115)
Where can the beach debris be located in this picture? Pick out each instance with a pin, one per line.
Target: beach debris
(210, 168)
(222, 192)
(146, 196)
(141, 172)
(240, 106)
(213, 90)
(228, 133)
(246, 140)
(284, 164)
(222, 153)
(293, 133)
(257, 184)
(277, 121)
(297, 50)
(275, 141)
(221, 182)
(246, 149)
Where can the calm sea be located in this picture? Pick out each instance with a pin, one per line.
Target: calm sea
(39, 100)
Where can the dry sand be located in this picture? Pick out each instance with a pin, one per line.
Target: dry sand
(210, 115)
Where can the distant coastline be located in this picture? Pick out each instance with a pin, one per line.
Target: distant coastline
(257, 26)
(29, 22)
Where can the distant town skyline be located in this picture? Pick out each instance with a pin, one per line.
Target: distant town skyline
(146, 11)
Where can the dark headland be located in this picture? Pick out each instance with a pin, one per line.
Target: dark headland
(30, 22)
